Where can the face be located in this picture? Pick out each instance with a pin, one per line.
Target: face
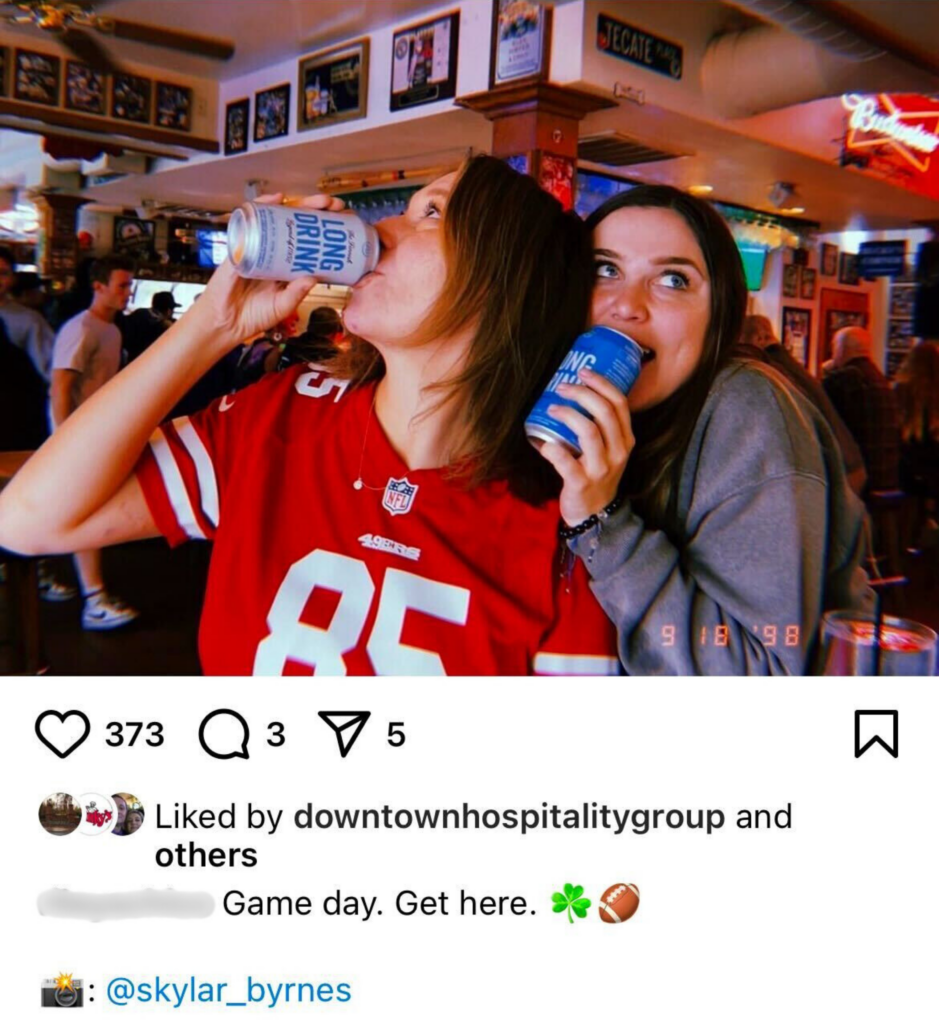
(651, 283)
(6, 278)
(116, 292)
(134, 821)
(389, 305)
(121, 804)
(762, 333)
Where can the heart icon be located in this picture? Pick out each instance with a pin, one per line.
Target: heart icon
(56, 735)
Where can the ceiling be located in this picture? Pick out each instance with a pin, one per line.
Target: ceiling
(271, 30)
(740, 169)
(263, 31)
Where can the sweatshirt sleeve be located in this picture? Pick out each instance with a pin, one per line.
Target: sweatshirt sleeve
(742, 593)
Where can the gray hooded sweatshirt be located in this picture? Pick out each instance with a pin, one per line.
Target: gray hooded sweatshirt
(768, 536)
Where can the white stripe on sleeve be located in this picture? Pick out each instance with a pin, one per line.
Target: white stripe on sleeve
(173, 482)
(575, 665)
(205, 471)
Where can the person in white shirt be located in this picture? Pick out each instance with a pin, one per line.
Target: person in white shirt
(87, 354)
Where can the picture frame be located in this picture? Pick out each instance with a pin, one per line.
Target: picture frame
(519, 162)
(797, 332)
(36, 77)
(902, 300)
(237, 121)
(790, 283)
(173, 107)
(272, 112)
(521, 42)
(556, 176)
(86, 90)
(424, 62)
(333, 86)
(131, 98)
(134, 237)
(828, 263)
(807, 285)
(848, 269)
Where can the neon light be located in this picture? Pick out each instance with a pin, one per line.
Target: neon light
(869, 117)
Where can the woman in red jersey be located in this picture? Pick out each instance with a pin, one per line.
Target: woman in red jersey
(383, 513)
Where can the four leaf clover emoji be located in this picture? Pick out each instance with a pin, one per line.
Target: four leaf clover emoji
(570, 899)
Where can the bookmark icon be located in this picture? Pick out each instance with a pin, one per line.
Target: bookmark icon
(881, 727)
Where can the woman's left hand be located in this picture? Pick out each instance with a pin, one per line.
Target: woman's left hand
(591, 481)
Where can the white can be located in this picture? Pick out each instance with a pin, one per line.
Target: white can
(280, 243)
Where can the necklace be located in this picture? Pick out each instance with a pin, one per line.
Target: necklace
(358, 484)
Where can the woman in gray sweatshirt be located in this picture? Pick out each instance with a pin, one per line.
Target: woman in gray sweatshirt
(711, 509)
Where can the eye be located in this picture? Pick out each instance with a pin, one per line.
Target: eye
(432, 210)
(605, 269)
(675, 279)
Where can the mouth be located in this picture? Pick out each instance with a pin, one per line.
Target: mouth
(647, 355)
(369, 277)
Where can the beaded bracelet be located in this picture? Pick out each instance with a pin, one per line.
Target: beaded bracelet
(569, 532)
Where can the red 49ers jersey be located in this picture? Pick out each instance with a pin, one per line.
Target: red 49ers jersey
(414, 574)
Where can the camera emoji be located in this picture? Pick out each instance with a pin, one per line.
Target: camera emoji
(63, 991)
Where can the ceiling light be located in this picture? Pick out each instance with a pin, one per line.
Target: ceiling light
(700, 190)
(780, 192)
(793, 210)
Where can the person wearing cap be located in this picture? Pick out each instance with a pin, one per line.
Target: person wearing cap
(142, 328)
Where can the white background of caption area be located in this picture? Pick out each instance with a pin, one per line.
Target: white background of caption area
(833, 920)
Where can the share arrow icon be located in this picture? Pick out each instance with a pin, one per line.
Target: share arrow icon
(346, 725)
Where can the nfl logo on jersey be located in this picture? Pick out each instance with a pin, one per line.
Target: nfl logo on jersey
(399, 496)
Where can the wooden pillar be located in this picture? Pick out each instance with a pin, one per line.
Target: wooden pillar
(535, 127)
(58, 250)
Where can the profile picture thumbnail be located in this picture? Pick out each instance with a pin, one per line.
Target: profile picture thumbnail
(60, 814)
(130, 814)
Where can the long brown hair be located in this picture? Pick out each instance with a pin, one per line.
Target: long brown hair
(918, 390)
(518, 266)
(663, 432)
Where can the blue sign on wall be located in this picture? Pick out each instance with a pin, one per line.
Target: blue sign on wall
(882, 259)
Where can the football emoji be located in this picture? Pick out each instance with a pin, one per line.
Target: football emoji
(619, 903)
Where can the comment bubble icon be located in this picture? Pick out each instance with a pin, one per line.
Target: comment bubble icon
(224, 734)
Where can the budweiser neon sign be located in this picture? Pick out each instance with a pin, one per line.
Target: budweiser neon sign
(879, 120)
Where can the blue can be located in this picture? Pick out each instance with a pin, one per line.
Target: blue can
(611, 354)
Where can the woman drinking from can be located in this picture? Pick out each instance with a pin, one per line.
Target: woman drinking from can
(732, 527)
(384, 514)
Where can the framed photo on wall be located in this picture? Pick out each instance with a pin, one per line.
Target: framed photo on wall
(790, 286)
(521, 42)
(130, 98)
(797, 332)
(271, 112)
(847, 269)
(807, 287)
(424, 59)
(829, 259)
(174, 107)
(85, 89)
(556, 176)
(134, 237)
(333, 86)
(236, 127)
(36, 78)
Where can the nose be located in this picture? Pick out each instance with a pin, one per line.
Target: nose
(625, 303)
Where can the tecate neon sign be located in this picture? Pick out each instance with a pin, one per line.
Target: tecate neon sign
(868, 116)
